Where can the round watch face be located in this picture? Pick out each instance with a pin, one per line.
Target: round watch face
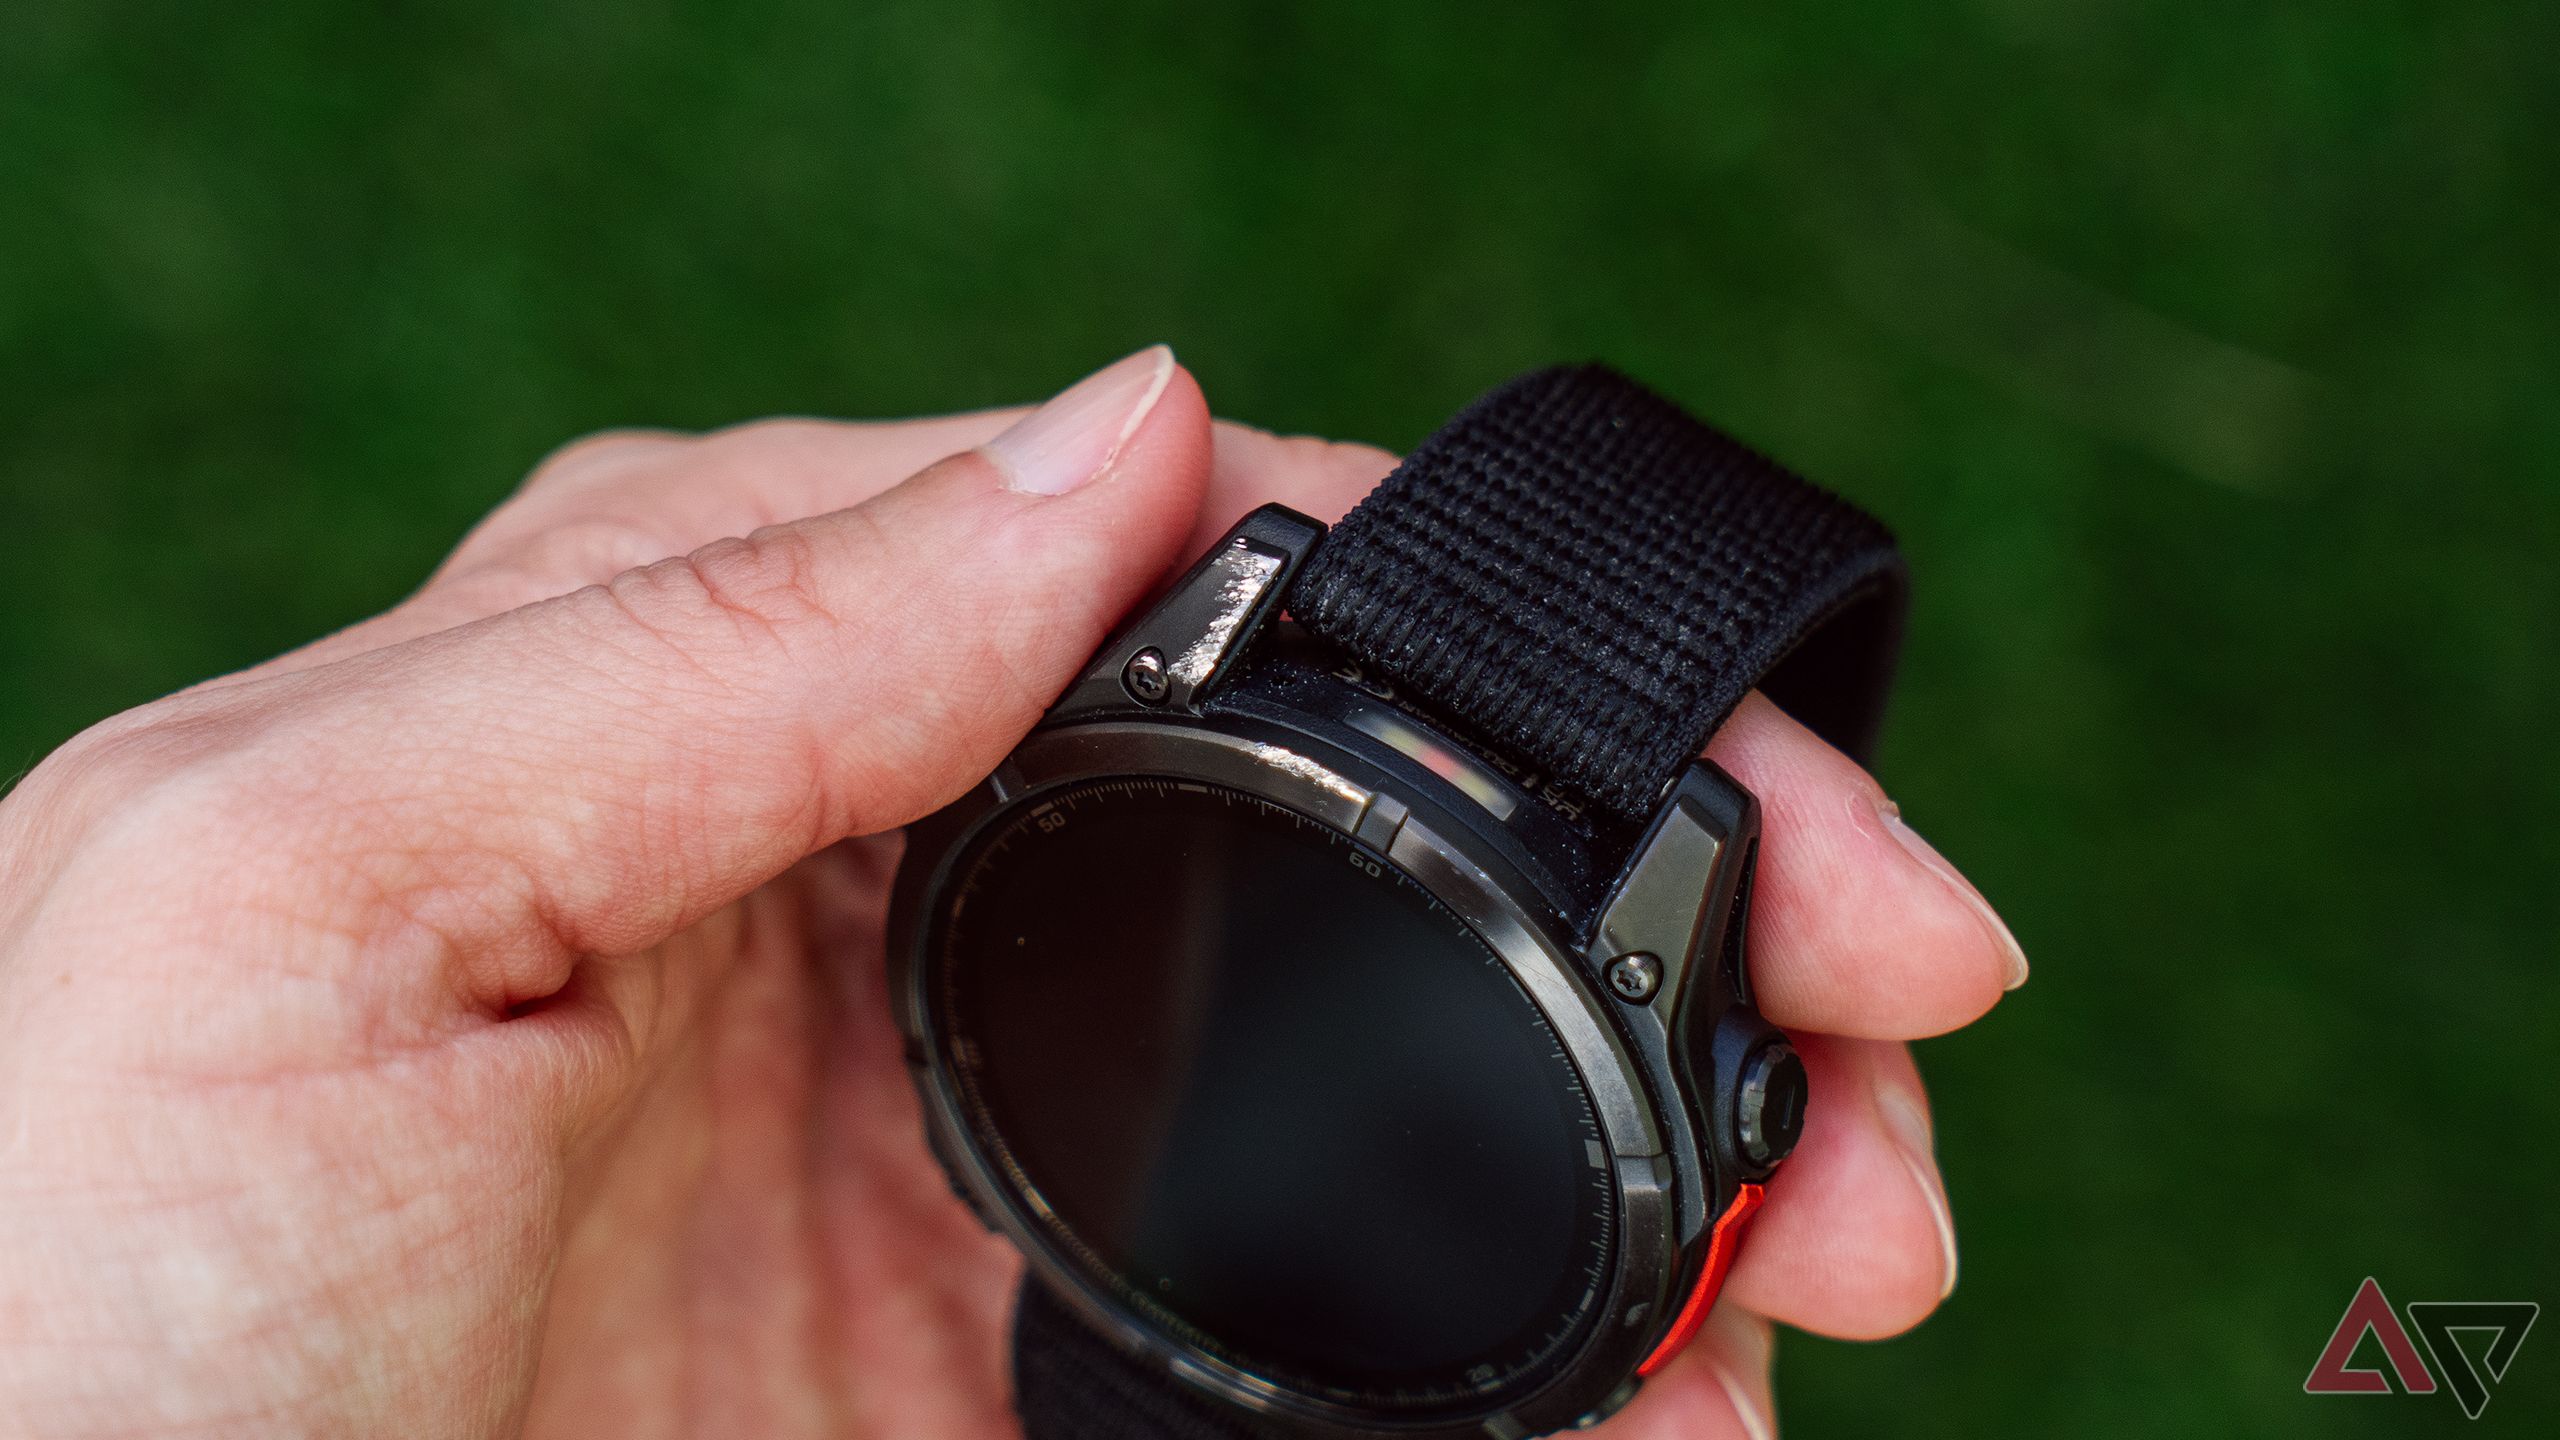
(1260, 1086)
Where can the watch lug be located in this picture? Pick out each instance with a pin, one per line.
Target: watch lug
(1675, 899)
(1667, 948)
(1171, 657)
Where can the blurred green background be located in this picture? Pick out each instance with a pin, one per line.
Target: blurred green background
(2202, 353)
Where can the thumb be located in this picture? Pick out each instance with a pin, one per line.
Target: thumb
(587, 775)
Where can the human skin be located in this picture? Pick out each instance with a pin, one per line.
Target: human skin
(474, 1024)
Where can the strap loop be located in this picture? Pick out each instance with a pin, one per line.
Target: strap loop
(1579, 572)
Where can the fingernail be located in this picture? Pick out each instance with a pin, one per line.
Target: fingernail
(1909, 1126)
(1927, 854)
(1745, 1409)
(1738, 1344)
(1077, 435)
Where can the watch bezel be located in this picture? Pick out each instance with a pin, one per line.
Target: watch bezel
(1369, 792)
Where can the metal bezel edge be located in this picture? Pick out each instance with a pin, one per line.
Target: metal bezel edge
(1331, 780)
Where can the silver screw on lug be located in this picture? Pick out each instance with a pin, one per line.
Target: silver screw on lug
(1146, 678)
(1634, 975)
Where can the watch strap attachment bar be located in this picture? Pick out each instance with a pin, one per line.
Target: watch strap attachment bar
(1580, 573)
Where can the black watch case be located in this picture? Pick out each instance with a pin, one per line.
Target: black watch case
(1630, 939)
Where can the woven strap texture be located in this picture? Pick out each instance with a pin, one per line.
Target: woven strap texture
(1576, 571)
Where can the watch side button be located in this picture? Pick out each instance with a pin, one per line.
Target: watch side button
(1769, 1110)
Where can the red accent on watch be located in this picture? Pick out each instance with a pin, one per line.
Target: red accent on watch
(1722, 1242)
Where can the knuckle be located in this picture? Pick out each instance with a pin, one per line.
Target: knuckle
(604, 452)
(562, 521)
(580, 550)
(147, 787)
(113, 761)
(769, 579)
(780, 455)
(767, 585)
(781, 433)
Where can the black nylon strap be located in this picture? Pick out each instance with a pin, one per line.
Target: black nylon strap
(1579, 572)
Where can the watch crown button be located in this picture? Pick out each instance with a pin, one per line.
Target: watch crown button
(1769, 1107)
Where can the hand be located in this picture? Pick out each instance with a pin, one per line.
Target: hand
(474, 1021)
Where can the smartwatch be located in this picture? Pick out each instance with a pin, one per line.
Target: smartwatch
(1343, 999)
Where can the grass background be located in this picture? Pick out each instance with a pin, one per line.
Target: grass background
(2202, 354)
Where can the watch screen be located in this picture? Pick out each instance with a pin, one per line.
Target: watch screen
(1260, 1085)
